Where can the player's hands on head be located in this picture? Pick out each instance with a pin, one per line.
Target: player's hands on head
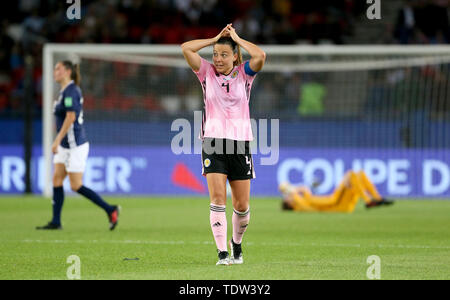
(228, 31)
(224, 33)
(232, 32)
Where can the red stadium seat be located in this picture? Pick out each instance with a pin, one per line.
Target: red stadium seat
(157, 33)
(124, 104)
(3, 100)
(89, 102)
(297, 20)
(107, 104)
(151, 104)
(172, 37)
(135, 33)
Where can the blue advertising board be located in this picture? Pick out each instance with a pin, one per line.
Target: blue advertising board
(143, 170)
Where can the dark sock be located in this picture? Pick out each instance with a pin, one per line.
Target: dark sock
(94, 197)
(58, 201)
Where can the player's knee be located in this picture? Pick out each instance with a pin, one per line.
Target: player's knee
(75, 186)
(351, 173)
(363, 176)
(58, 180)
(57, 183)
(218, 198)
(241, 206)
(218, 201)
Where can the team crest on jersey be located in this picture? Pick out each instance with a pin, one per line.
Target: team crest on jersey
(232, 76)
(207, 163)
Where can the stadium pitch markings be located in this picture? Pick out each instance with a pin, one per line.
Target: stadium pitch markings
(246, 244)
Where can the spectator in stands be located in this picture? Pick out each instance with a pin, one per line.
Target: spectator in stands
(311, 99)
(406, 22)
(432, 21)
(135, 21)
(266, 98)
(5, 51)
(291, 94)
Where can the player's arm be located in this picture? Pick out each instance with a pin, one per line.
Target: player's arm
(68, 121)
(258, 56)
(191, 48)
(71, 102)
(303, 190)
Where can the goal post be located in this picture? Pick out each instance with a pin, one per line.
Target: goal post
(346, 97)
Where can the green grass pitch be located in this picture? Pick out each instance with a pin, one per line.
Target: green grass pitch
(171, 237)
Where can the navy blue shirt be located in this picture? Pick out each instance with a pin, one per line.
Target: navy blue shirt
(70, 99)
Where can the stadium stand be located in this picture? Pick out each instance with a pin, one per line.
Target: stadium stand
(28, 24)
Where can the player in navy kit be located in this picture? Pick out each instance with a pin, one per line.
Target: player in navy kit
(70, 147)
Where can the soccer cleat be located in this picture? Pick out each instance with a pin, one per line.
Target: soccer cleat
(373, 203)
(385, 201)
(236, 253)
(223, 259)
(49, 226)
(114, 217)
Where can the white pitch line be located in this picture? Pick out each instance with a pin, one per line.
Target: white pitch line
(246, 244)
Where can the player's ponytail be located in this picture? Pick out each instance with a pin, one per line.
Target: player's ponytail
(75, 74)
(239, 59)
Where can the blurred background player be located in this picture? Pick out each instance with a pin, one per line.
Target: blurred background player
(354, 186)
(226, 151)
(70, 147)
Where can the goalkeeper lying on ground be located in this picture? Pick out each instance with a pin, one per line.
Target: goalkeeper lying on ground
(354, 186)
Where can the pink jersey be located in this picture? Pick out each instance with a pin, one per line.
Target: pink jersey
(226, 114)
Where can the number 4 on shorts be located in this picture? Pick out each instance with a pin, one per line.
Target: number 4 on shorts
(249, 163)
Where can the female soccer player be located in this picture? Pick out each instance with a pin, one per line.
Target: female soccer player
(70, 147)
(354, 186)
(226, 131)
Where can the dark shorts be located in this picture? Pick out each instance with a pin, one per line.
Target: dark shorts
(228, 157)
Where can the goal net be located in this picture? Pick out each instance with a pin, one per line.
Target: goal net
(382, 109)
